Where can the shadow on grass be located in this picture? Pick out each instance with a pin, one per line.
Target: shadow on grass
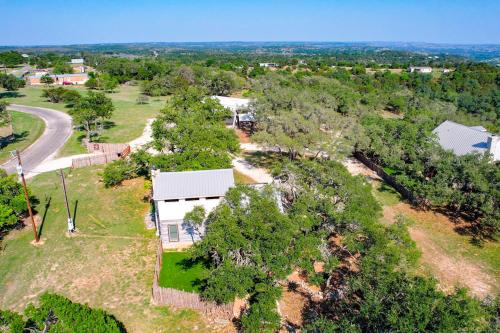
(48, 199)
(16, 137)
(264, 159)
(75, 210)
(10, 94)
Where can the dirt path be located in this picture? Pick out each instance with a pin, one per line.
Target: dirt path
(450, 270)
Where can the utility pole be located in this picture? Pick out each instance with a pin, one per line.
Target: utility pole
(26, 195)
(71, 225)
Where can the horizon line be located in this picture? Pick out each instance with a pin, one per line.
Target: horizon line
(256, 42)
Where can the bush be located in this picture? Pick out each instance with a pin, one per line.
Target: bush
(115, 173)
(12, 202)
(58, 314)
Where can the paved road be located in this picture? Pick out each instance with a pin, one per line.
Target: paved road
(58, 129)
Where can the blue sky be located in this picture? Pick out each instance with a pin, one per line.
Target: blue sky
(30, 22)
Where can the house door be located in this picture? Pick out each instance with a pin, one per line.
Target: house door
(173, 233)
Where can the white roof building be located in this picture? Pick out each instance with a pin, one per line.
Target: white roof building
(238, 106)
(462, 140)
(177, 193)
(419, 69)
(78, 61)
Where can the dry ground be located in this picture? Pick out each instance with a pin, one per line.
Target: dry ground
(446, 255)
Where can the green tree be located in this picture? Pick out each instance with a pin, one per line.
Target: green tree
(5, 116)
(10, 82)
(47, 79)
(12, 203)
(193, 220)
(62, 68)
(55, 313)
(90, 109)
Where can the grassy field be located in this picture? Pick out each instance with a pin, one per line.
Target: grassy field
(127, 123)
(107, 263)
(27, 128)
(446, 254)
(179, 273)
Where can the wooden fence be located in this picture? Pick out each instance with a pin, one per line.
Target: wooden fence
(181, 299)
(106, 148)
(103, 158)
(406, 193)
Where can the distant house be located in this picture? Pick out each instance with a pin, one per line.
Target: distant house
(269, 65)
(78, 65)
(422, 70)
(60, 79)
(240, 107)
(176, 193)
(302, 62)
(462, 140)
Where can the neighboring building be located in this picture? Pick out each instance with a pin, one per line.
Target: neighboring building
(269, 65)
(447, 70)
(78, 65)
(302, 62)
(238, 106)
(177, 193)
(423, 70)
(464, 140)
(61, 79)
(24, 55)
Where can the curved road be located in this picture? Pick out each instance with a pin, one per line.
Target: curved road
(58, 129)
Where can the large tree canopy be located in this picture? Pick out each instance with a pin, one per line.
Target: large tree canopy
(192, 135)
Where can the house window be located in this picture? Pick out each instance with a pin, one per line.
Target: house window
(213, 198)
(173, 233)
(192, 199)
(172, 200)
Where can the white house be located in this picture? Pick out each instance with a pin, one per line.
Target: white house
(177, 193)
(78, 61)
(462, 140)
(269, 65)
(422, 70)
(240, 107)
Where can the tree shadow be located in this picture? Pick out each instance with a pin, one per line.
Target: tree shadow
(11, 94)
(48, 199)
(107, 124)
(16, 137)
(263, 159)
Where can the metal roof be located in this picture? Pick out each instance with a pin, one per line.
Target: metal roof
(233, 103)
(77, 61)
(39, 75)
(192, 184)
(462, 139)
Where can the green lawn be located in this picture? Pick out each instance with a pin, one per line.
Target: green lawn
(127, 123)
(180, 273)
(108, 263)
(27, 128)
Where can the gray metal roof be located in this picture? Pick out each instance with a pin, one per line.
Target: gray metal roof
(39, 75)
(462, 139)
(192, 184)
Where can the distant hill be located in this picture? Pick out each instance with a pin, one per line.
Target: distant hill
(478, 52)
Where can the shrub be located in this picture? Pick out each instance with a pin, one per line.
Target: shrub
(115, 173)
(56, 313)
